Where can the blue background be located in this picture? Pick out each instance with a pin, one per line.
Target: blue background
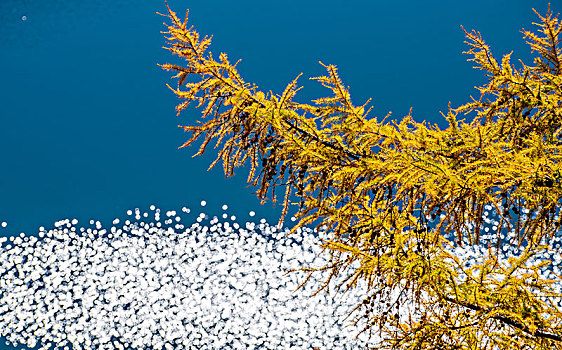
(88, 127)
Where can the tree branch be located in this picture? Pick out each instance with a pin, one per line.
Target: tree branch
(509, 321)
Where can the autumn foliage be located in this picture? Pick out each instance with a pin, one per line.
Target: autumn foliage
(376, 187)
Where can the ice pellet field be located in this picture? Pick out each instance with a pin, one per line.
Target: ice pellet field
(153, 282)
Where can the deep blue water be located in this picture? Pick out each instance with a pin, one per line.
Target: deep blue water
(88, 126)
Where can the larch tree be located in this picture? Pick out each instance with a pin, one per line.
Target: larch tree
(376, 187)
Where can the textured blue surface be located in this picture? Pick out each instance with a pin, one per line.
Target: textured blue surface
(88, 127)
